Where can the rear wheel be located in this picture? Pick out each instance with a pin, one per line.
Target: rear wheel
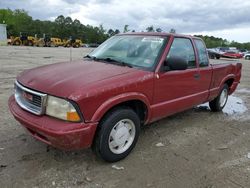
(220, 101)
(30, 43)
(17, 43)
(117, 134)
(247, 57)
(212, 56)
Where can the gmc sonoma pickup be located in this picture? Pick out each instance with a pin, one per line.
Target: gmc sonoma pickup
(130, 80)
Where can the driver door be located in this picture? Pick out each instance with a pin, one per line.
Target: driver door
(177, 90)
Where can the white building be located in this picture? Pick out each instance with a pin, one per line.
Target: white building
(3, 34)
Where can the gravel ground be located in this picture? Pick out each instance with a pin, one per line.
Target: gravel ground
(195, 148)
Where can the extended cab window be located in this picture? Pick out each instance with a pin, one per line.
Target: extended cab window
(182, 47)
(202, 53)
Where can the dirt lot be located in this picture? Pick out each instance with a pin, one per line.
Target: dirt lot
(200, 148)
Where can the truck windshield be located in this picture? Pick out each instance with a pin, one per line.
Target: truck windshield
(130, 50)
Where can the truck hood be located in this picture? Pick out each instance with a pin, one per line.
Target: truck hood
(63, 79)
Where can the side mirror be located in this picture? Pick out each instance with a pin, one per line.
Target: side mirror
(175, 63)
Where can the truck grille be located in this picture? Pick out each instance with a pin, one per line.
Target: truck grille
(30, 100)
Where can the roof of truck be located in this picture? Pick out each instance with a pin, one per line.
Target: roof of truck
(163, 34)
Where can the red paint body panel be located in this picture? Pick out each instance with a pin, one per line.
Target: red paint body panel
(97, 87)
(64, 79)
(232, 55)
(60, 134)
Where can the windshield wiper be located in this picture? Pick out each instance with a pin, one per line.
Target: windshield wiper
(90, 57)
(114, 61)
(108, 59)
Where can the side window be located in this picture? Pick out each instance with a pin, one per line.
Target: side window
(182, 47)
(202, 53)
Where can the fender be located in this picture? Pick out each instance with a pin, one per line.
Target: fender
(230, 76)
(107, 105)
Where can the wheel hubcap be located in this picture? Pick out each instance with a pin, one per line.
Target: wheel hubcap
(122, 136)
(223, 97)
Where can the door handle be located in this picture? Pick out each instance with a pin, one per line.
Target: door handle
(197, 76)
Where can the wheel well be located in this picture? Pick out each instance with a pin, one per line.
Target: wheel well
(138, 106)
(229, 82)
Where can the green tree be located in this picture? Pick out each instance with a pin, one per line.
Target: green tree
(150, 29)
(159, 30)
(63, 27)
(172, 30)
(111, 32)
(125, 29)
(117, 31)
(17, 21)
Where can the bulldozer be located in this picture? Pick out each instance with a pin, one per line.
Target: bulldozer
(72, 42)
(23, 39)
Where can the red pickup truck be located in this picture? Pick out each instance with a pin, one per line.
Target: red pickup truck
(128, 81)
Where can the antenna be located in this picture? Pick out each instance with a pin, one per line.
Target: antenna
(70, 51)
(70, 48)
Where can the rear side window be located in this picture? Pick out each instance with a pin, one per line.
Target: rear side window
(202, 53)
(182, 47)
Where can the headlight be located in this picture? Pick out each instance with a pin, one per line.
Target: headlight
(61, 109)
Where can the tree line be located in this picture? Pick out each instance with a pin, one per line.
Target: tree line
(213, 42)
(64, 27)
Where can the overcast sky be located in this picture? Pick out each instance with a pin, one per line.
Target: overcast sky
(229, 19)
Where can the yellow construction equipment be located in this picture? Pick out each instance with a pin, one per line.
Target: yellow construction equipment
(15, 41)
(75, 43)
(44, 41)
(23, 39)
(55, 42)
(48, 41)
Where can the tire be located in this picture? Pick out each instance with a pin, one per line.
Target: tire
(17, 43)
(30, 43)
(212, 56)
(220, 101)
(247, 57)
(117, 134)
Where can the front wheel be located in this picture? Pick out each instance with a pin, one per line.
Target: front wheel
(117, 135)
(220, 101)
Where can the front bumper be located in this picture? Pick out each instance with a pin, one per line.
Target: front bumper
(60, 134)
